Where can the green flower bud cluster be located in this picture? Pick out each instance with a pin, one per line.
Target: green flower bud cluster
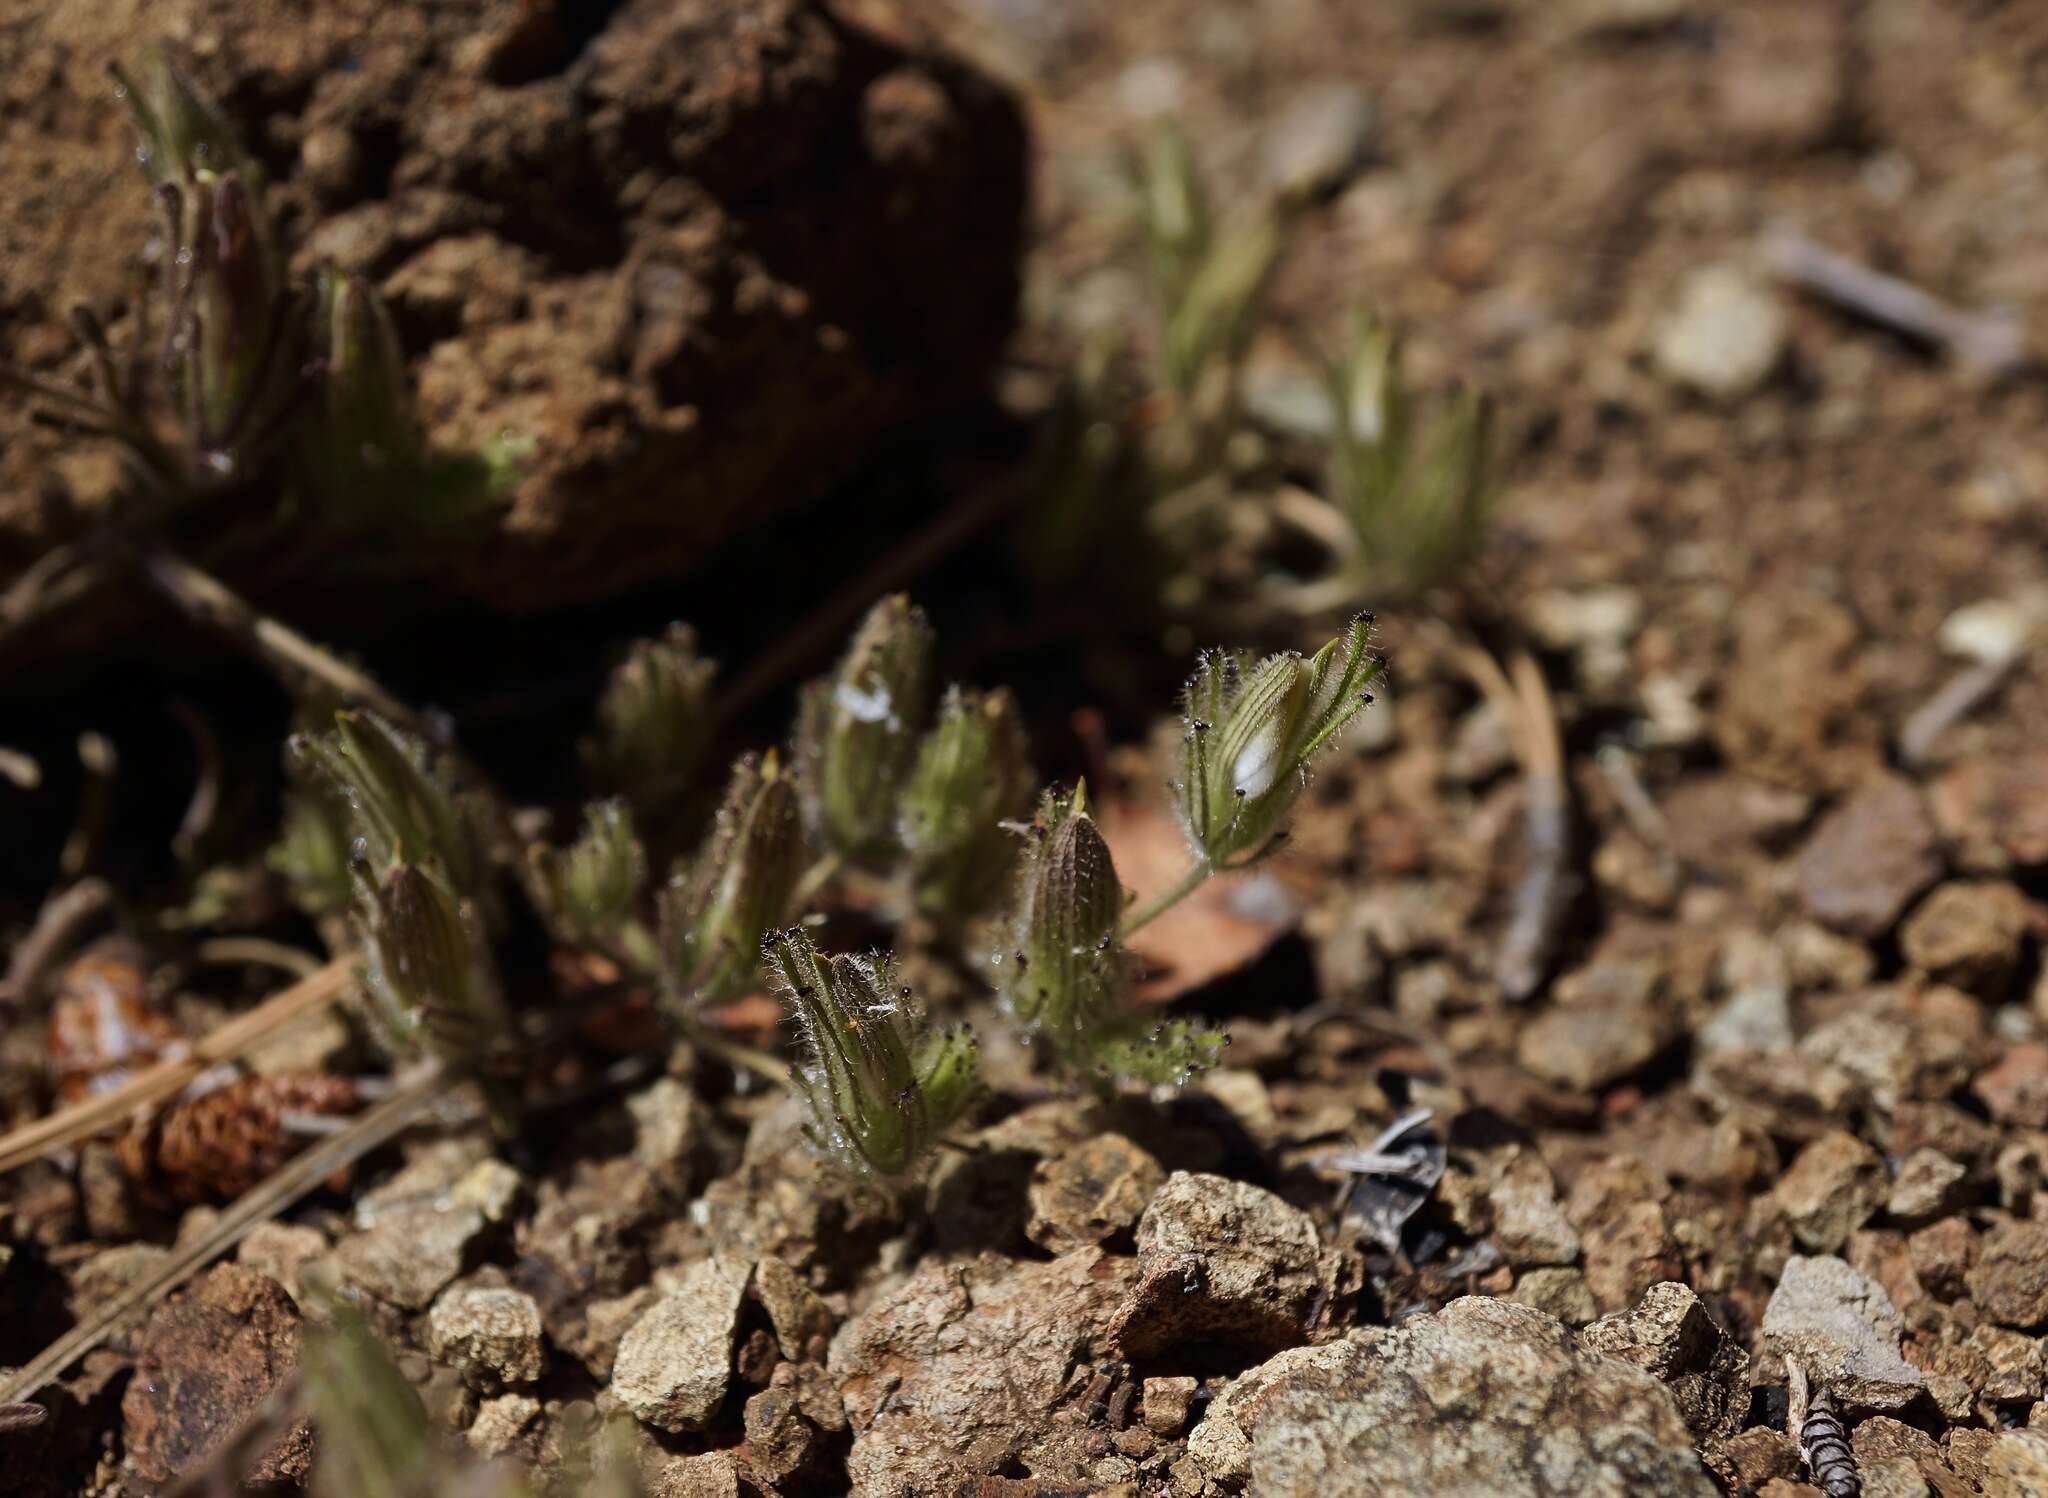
(856, 737)
(594, 884)
(972, 770)
(882, 1084)
(878, 785)
(418, 875)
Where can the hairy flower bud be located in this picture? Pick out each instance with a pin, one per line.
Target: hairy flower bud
(1252, 731)
(229, 326)
(737, 889)
(654, 721)
(1068, 969)
(1069, 976)
(882, 1087)
(427, 966)
(857, 733)
(972, 770)
(362, 436)
(594, 883)
(182, 132)
(401, 809)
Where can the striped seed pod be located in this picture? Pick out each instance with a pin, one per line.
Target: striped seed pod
(1825, 1443)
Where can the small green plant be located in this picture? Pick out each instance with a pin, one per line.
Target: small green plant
(296, 400)
(882, 1084)
(654, 722)
(1416, 482)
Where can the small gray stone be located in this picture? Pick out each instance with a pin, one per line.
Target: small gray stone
(1589, 1048)
(410, 1253)
(1090, 1193)
(1724, 335)
(492, 1336)
(1529, 1226)
(675, 1365)
(1319, 141)
(1928, 1185)
(2009, 1281)
(1844, 1330)
(1164, 1402)
(1562, 1293)
(281, 1250)
(1968, 934)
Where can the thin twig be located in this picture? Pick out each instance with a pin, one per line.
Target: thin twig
(205, 597)
(1961, 695)
(63, 916)
(204, 804)
(1536, 913)
(285, 1186)
(101, 763)
(1992, 342)
(257, 951)
(168, 1078)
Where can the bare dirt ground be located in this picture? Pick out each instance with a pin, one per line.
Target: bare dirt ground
(1776, 1111)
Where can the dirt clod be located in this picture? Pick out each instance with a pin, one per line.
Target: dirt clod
(207, 1358)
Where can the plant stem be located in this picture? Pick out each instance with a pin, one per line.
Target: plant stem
(205, 597)
(1197, 874)
(815, 878)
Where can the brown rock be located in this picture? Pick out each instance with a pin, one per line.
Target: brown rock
(1996, 810)
(954, 1374)
(2009, 1281)
(1628, 1252)
(1942, 1253)
(207, 1358)
(1480, 1397)
(1165, 1402)
(1090, 1193)
(1222, 1261)
(1591, 1047)
(2016, 1089)
(1967, 934)
(1928, 1185)
(1870, 855)
(1671, 1336)
(1834, 1186)
(1758, 1456)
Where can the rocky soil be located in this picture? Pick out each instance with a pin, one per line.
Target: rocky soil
(1779, 1107)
